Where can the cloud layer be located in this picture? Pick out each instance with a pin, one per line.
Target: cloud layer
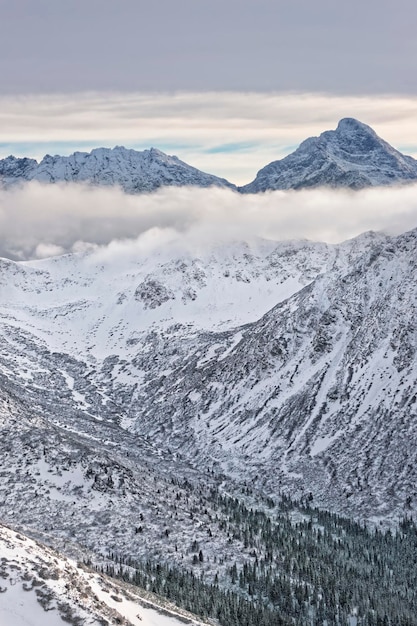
(348, 47)
(45, 220)
(225, 133)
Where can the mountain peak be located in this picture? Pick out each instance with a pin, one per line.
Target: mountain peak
(351, 124)
(351, 156)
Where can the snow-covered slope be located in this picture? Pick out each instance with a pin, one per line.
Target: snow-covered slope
(81, 337)
(39, 587)
(96, 305)
(319, 393)
(296, 358)
(351, 156)
(136, 389)
(133, 171)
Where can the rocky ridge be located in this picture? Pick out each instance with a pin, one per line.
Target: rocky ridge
(40, 586)
(133, 171)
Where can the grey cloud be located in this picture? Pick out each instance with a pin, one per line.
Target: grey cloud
(37, 220)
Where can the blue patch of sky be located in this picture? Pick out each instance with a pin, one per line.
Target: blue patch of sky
(288, 149)
(226, 148)
(230, 148)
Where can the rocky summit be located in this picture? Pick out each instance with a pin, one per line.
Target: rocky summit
(351, 156)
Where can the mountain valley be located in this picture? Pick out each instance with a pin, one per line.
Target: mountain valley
(228, 426)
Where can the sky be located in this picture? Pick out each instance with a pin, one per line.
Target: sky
(219, 45)
(227, 86)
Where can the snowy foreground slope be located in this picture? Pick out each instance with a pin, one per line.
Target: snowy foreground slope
(39, 587)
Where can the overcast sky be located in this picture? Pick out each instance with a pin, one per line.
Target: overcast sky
(262, 45)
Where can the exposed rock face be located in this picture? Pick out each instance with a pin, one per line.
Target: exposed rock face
(152, 293)
(13, 169)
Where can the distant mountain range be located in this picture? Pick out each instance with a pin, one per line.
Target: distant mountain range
(351, 156)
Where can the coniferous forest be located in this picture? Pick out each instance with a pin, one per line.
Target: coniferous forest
(308, 567)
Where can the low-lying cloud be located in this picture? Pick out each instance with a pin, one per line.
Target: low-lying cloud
(38, 220)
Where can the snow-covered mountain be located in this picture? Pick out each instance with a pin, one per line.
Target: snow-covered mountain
(351, 156)
(133, 171)
(318, 394)
(138, 391)
(294, 358)
(158, 407)
(81, 338)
